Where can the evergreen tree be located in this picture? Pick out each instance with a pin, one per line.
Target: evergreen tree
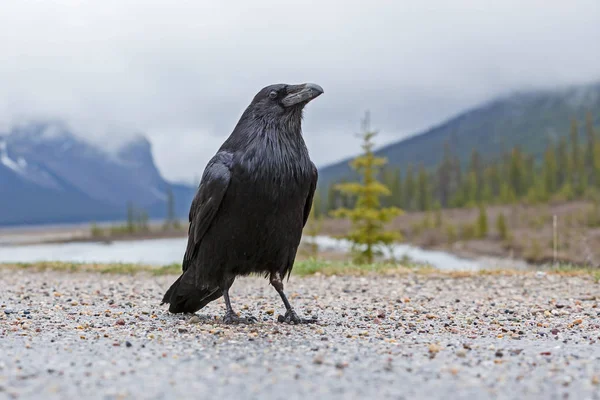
(171, 220)
(391, 178)
(493, 180)
(368, 217)
(562, 161)
(475, 170)
(423, 190)
(517, 173)
(444, 175)
(469, 191)
(501, 227)
(409, 189)
(590, 153)
(576, 166)
(317, 205)
(130, 217)
(550, 170)
(482, 222)
(332, 195)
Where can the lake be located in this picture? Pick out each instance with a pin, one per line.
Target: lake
(166, 251)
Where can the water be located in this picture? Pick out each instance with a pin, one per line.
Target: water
(167, 251)
(152, 252)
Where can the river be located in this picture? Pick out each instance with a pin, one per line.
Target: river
(167, 251)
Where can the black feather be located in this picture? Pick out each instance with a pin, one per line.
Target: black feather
(251, 206)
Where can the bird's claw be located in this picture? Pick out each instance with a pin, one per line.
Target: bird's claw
(232, 318)
(292, 318)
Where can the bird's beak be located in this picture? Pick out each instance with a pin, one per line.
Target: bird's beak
(304, 93)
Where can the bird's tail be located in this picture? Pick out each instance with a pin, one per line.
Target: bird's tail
(185, 297)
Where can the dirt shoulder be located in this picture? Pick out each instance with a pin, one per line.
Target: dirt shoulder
(530, 232)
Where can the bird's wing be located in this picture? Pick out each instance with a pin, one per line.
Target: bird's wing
(311, 192)
(214, 184)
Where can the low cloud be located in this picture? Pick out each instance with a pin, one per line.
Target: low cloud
(182, 72)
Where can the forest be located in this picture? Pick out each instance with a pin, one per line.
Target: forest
(568, 170)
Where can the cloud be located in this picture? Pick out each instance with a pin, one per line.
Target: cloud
(183, 71)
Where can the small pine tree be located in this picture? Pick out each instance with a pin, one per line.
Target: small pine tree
(438, 215)
(451, 233)
(130, 218)
(96, 231)
(409, 189)
(482, 222)
(143, 221)
(171, 220)
(367, 216)
(501, 226)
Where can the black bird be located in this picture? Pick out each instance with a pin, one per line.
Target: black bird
(251, 206)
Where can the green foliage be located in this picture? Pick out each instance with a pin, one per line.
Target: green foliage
(437, 209)
(130, 217)
(451, 235)
(96, 231)
(368, 216)
(317, 205)
(565, 170)
(468, 231)
(482, 222)
(534, 251)
(171, 220)
(423, 190)
(501, 227)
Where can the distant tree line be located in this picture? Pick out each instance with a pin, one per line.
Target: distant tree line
(137, 220)
(568, 170)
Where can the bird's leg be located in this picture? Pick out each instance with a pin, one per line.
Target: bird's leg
(290, 315)
(230, 316)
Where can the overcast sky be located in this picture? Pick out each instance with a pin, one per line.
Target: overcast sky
(183, 71)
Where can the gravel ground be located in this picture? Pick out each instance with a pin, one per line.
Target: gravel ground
(82, 335)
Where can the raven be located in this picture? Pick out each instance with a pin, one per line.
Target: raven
(251, 205)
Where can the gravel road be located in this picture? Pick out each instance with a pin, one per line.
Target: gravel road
(83, 335)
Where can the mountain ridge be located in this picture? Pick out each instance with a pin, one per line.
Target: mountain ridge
(50, 175)
(525, 118)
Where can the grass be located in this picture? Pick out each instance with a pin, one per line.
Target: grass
(328, 268)
(576, 270)
(301, 268)
(112, 268)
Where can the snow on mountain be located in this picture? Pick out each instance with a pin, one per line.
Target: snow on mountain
(49, 156)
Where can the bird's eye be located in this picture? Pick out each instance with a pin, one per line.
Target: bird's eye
(273, 95)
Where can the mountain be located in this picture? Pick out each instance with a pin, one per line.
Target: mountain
(50, 175)
(527, 119)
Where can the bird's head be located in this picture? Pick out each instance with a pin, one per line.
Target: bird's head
(282, 100)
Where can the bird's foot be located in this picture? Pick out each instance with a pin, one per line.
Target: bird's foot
(292, 318)
(231, 318)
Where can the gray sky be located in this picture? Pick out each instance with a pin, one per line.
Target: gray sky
(183, 71)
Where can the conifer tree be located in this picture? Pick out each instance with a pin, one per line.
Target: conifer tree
(482, 222)
(501, 226)
(423, 191)
(562, 162)
(130, 217)
(590, 154)
(550, 170)
(516, 173)
(444, 175)
(367, 216)
(409, 189)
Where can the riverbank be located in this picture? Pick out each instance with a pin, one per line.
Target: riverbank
(529, 234)
(413, 335)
